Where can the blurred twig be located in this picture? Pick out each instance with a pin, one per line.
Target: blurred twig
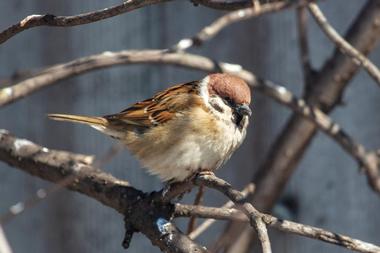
(4, 245)
(197, 201)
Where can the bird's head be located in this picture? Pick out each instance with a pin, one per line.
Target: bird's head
(228, 96)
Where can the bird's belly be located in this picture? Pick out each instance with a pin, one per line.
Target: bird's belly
(182, 160)
(188, 151)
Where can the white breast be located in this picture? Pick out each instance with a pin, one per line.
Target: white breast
(197, 143)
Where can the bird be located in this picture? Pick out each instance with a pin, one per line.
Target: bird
(183, 130)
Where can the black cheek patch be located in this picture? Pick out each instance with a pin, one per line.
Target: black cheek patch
(217, 107)
(237, 119)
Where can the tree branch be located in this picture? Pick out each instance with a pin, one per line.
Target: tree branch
(210, 31)
(303, 44)
(282, 225)
(80, 19)
(247, 191)
(127, 6)
(55, 165)
(325, 91)
(343, 45)
(369, 160)
(255, 217)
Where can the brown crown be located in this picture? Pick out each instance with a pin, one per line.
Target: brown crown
(229, 86)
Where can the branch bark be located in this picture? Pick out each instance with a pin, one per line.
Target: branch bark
(80, 19)
(210, 31)
(36, 20)
(282, 225)
(255, 217)
(324, 92)
(55, 165)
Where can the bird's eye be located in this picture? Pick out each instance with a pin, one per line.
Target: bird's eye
(228, 101)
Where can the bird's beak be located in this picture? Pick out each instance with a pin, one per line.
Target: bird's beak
(243, 110)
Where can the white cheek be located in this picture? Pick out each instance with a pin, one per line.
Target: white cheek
(225, 111)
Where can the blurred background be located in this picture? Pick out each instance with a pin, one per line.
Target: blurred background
(326, 191)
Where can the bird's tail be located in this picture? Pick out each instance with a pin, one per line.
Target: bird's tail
(99, 123)
(87, 120)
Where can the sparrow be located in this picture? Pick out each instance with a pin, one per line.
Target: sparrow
(183, 130)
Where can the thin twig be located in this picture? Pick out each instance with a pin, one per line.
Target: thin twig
(283, 225)
(343, 45)
(255, 217)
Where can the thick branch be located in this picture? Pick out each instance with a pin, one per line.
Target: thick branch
(64, 21)
(283, 225)
(54, 166)
(343, 45)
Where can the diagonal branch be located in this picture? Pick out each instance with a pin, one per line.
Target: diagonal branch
(55, 165)
(343, 45)
(282, 225)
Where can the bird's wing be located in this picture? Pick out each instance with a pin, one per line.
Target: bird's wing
(160, 108)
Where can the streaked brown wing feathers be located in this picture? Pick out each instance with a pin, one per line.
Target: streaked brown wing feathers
(159, 109)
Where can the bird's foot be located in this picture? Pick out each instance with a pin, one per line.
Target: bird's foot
(204, 173)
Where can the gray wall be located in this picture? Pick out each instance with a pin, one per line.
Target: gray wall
(327, 187)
